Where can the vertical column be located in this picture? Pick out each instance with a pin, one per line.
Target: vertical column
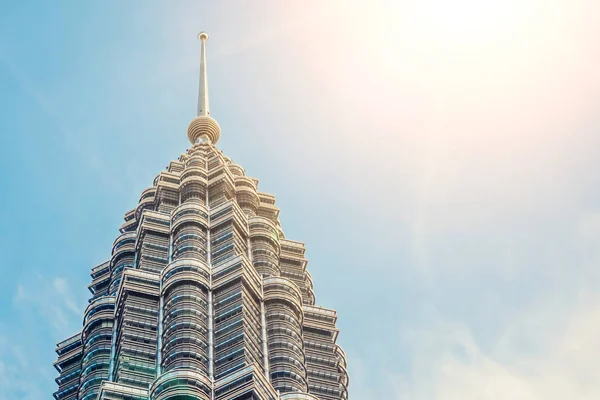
(238, 342)
(185, 291)
(264, 240)
(136, 321)
(210, 314)
(325, 362)
(96, 338)
(263, 322)
(68, 365)
(283, 304)
(211, 344)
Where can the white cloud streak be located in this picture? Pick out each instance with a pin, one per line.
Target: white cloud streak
(50, 300)
(561, 363)
(15, 373)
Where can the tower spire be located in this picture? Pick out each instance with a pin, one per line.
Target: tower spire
(203, 127)
(203, 106)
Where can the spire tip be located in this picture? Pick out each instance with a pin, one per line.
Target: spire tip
(203, 126)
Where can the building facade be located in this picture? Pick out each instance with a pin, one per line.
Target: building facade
(203, 297)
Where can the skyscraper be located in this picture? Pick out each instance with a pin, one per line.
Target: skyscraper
(203, 296)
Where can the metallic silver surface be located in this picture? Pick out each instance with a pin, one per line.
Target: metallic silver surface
(203, 297)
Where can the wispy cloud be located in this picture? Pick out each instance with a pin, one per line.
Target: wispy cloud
(49, 299)
(46, 306)
(545, 353)
(536, 346)
(15, 376)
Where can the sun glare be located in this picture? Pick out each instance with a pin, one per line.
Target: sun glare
(470, 17)
(454, 23)
(435, 30)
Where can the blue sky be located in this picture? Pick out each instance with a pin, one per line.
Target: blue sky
(439, 162)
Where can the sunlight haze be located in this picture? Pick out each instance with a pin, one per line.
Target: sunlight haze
(439, 159)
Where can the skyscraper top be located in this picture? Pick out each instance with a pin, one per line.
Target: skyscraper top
(203, 127)
(203, 297)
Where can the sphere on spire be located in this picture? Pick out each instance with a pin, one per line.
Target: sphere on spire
(204, 126)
